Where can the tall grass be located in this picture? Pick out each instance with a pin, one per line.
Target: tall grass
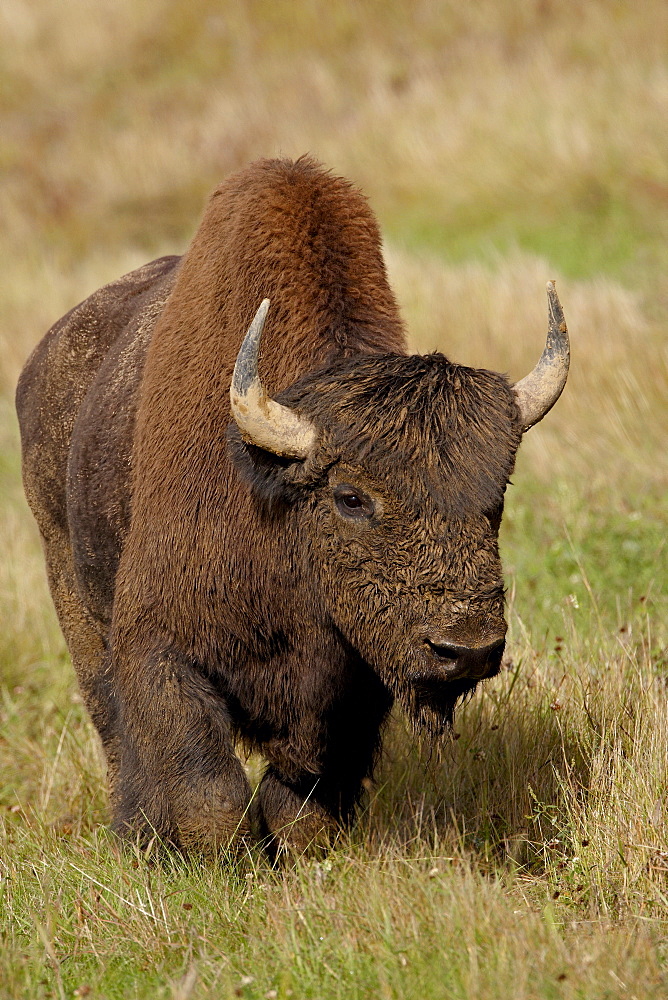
(502, 143)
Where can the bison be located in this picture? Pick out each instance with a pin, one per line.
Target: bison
(266, 539)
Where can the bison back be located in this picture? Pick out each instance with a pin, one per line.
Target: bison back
(76, 402)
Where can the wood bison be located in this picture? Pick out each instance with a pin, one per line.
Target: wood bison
(267, 547)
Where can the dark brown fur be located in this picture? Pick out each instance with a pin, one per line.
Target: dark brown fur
(210, 591)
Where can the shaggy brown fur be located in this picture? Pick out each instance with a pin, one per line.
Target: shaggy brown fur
(210, 591)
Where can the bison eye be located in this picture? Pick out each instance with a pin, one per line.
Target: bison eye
(353, 503)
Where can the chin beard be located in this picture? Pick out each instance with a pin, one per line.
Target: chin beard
(430, 699)
(430, 703)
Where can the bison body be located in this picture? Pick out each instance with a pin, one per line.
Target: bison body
(214, 584)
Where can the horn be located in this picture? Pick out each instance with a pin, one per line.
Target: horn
(261, 420)
(537, 392)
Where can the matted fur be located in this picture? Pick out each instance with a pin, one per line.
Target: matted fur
(210, 591)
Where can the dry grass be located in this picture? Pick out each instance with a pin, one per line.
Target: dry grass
(502, 143)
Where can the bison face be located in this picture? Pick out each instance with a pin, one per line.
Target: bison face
(415, 586)
(396, 510)
(395, 468)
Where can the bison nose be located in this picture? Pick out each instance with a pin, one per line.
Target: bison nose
(447, 650)
(465, 661)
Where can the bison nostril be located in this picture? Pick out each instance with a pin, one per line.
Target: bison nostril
(447, 651)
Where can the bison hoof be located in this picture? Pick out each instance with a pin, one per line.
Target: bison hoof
(289, 824)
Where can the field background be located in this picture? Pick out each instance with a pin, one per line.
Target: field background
(502, 143)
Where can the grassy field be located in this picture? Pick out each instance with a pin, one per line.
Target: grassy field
(502, 143)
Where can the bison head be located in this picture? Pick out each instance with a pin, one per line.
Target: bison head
(398, 467)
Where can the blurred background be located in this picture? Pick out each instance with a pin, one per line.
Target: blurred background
(501, 143)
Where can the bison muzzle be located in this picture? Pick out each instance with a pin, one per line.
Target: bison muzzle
(268, 537)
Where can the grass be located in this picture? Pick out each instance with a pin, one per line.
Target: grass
(541, 833)
(501, 143)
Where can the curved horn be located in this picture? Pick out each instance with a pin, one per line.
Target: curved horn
(538, 392)
(261, 420)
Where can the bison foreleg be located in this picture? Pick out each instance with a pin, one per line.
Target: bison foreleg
(298, 808)
(179, 777)
(290, 817)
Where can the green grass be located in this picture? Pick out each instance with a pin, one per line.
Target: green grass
(588, 232)
(501, 143)
(578, 551)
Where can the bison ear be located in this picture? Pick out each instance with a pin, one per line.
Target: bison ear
(272, 479)
(261, 420)
(537, 392)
